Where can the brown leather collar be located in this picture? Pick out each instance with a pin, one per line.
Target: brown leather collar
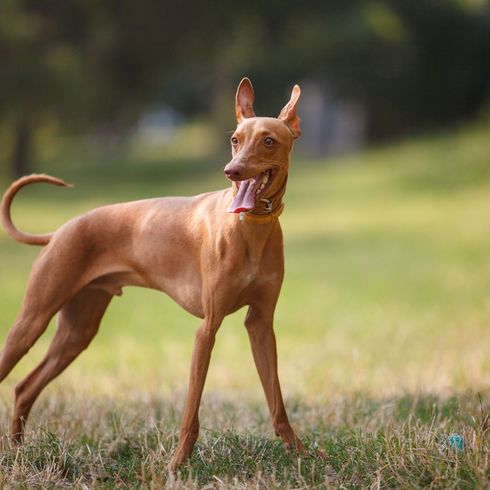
(272, 208)
(261, 219)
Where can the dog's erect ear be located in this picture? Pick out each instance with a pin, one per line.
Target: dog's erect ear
(244, 101)
(288, 114)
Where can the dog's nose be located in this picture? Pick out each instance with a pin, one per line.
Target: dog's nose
(234, 172)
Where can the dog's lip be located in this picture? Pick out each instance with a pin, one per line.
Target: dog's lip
(234, 179)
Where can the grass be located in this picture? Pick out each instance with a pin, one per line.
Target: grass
(382, 325)
(391, 442)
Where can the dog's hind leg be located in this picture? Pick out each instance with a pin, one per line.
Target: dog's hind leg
(28, 327)
(78, 323)
(56, 276)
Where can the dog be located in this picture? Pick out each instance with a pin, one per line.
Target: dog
(213, 254)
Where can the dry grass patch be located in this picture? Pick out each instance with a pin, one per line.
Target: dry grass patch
(396, 442)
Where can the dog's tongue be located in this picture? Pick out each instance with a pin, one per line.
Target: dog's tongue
(245, 197)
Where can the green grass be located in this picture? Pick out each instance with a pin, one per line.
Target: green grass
(383, 333)
(395, 442)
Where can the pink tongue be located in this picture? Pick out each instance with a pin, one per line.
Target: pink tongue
(245, 197)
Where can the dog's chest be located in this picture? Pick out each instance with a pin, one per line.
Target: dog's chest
(248, 267)
(241, 255)
(247, 277)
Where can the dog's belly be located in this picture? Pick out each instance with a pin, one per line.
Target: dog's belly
(187, 296)
(179, 277)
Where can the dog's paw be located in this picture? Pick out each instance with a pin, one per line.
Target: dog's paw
(302, 451)
(320, 454)
(297, 448)
(177, 460)
(174, 464)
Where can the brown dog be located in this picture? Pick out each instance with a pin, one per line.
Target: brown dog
(213, 254)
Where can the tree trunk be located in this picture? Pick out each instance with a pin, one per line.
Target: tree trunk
(21, 155)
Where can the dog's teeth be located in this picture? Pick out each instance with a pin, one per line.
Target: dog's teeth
(260, 189)
(265, 179)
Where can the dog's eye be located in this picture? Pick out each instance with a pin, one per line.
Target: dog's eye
(269, 141)
(234, 140)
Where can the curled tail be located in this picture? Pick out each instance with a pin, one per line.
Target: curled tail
(9, 195)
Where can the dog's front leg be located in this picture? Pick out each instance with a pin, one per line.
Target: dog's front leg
(263, 341)
(201, 355)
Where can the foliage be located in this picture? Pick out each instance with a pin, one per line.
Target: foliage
(89, 64)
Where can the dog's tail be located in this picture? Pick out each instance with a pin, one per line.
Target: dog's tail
(9, 195)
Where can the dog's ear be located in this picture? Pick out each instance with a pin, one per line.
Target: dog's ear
(244, 100)
(288, 114)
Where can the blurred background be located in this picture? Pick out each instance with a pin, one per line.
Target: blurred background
(387, 212)
(110, 73)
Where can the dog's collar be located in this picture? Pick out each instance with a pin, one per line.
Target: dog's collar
(261, 219)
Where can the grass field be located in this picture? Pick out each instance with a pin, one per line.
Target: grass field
(383, 330)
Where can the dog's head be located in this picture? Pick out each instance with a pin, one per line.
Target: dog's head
(260, 147)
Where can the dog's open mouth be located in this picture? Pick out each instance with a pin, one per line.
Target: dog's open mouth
(250, 190)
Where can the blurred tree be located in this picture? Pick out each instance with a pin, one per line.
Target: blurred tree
(82, 63)
(412, 64)
(87, 63)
